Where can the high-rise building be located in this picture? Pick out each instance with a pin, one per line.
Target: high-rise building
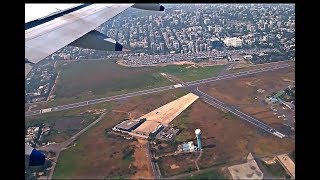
(206, 21)
(235, 42)
(190, 45)
(176, 45)
(161, 46)
(150, 27)
(192, 36)
(252, 28)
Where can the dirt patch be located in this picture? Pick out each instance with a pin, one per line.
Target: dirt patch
(248, 170)
(168, 164)
(174, 166)
(141, 161)
(195, 66)
(183, 63)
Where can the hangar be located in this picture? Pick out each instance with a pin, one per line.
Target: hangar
(129, 125)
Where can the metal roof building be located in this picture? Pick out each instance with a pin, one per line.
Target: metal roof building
(129, 125)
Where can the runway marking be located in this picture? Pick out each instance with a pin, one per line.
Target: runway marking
(149, 91)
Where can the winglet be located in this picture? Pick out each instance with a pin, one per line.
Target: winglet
(161, 8)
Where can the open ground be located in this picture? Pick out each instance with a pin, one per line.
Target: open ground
(99, 154)
(226, 139)
(243, 92)
(84, 80)
(64, 124)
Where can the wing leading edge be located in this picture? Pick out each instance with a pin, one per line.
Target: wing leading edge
(45, 39)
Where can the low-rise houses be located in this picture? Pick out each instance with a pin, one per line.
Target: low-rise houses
(32, 133)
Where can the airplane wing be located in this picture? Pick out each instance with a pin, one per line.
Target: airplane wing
(34, 157)
(74, 25)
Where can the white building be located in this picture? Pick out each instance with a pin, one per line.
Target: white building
(235, 42)
(176, 45)
(206, 21)
(188, 147)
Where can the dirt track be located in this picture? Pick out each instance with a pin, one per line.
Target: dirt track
(141, 162)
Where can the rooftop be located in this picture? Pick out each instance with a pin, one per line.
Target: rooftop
(128, 124)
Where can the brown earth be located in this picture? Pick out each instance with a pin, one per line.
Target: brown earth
(242, 92)
(183, 63)
(101, 154)
(270, 145)
(141, 161)
(173, 165)
(225, 138)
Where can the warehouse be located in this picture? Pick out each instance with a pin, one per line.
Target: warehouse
(129, 125)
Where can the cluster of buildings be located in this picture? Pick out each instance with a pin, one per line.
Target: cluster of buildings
(39, 81)
(144, 59)
(183, 32)
(75, 53)
(285, 97)
(189, 28)
(32, 135)
(159, 132)
(190, 147)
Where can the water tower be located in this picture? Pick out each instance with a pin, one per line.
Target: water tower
(198, 134)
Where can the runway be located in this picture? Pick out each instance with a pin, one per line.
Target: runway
(160, 89)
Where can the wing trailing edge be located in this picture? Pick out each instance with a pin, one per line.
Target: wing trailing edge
(96, 40)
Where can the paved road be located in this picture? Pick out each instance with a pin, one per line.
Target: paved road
(154, 167)
(196, 161)
(192, 87)
(165, 88)
(101, 100)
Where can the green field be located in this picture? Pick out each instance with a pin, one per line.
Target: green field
(70, 163)
(208, 175)
(85, 80)
(192, 73)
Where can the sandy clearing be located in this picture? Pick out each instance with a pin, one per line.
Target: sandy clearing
(166, 113)
(141, 161)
